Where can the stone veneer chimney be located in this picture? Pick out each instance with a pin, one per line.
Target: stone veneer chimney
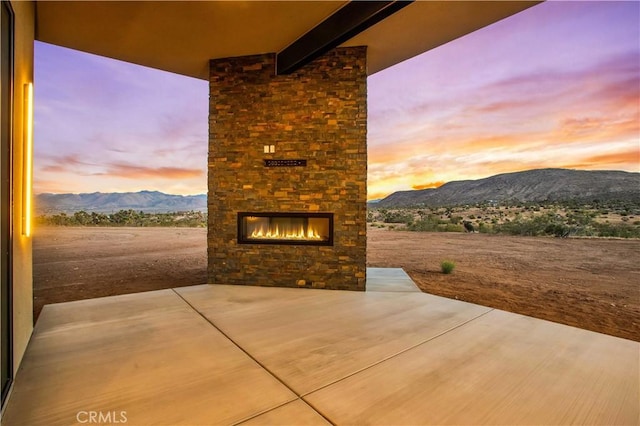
(317, 114)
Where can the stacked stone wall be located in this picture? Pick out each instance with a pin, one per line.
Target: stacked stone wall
(317, 114)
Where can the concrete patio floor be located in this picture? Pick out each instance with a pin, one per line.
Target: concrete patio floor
(214, 354)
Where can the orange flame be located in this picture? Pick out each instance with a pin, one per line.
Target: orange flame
(275, 233)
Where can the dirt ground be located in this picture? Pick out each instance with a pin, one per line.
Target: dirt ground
(72, 263)
(587, 283)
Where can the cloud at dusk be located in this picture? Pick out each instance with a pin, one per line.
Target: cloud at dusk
(117, 170)
(632, 156)
(429, 185)
(129, 171)
(557, 85)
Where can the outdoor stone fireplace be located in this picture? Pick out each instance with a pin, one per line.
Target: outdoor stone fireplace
(287, 172)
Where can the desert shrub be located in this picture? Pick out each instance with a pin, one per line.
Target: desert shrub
(82, 218)
(55, 220)
(484, 228)
(425, 224)
(447, 266)
(455, 219)
(580, 218)
(557, 230)
(450, 227)
(397, 217)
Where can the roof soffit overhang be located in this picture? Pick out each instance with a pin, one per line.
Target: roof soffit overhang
(181, 37)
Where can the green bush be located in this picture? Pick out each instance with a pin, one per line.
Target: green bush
(450, 227)
(447, 266)
(430, 223)
(484, 228)
(455, 219)
(398, 217)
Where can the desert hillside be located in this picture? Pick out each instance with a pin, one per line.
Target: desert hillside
(99, 202)
(528, 186)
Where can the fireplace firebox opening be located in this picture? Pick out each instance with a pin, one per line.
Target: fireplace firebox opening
(285, 228)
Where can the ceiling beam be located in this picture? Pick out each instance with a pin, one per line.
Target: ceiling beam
(348, 21)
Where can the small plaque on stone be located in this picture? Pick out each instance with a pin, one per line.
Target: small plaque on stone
(285, 163)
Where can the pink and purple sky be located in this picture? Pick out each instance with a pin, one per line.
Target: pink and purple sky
(557, 85)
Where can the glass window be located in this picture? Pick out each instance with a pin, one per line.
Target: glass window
(6, 71)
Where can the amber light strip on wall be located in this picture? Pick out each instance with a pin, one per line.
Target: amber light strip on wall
(27, 159)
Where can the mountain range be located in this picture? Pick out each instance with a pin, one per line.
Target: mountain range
(147, 201)
(528, 186)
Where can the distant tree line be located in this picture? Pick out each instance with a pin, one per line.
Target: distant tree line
(191, 219)
(595, 219)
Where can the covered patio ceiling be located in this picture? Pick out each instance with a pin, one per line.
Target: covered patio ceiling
(182, 36)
